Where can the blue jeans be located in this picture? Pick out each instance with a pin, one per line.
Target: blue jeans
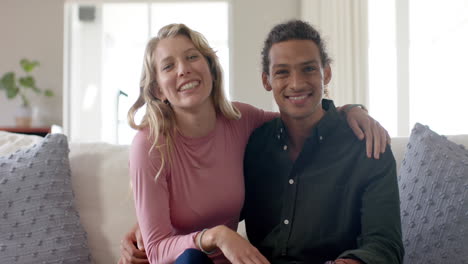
(193, 256)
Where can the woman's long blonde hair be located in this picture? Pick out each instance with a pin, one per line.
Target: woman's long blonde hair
(159, 115)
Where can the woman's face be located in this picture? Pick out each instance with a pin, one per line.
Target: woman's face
(183, 74)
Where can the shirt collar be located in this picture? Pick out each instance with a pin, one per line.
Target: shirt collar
(324, 127)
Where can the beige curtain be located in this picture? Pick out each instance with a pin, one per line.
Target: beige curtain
(343, 25)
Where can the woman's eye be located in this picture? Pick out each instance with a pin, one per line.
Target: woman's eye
(166, 67)
(192, 57)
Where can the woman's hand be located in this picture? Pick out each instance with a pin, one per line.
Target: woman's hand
(234, 247)
(364, 126)
(347, 261)
(132, 250)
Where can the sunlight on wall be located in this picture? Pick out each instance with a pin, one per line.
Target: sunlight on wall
(382, 64)
(90, 97)
(438, 56)
(438, 87)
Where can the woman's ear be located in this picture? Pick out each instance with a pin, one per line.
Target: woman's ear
(159, 94)
(266, 82)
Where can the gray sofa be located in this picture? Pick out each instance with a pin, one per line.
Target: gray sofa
(103, 199)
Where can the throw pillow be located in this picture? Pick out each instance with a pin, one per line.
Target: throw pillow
(433, 185)
(11, 142)
(38, 220)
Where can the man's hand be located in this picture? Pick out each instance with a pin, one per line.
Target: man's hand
(364, 126)
(132, 250)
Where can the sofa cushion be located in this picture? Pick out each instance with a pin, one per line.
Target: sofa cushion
(103, 196)
(433, 185)
(38, 220)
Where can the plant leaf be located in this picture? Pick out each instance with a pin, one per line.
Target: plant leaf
(27, 81)
(2, 85)
(12, 92)
(28, 65)
(49, 93)
(8, 80)
(9, 83)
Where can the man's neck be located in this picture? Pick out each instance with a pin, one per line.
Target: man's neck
(299, 130)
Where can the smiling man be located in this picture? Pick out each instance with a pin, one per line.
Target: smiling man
(312, 195)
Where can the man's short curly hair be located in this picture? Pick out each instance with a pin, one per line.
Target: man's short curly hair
(294, 29)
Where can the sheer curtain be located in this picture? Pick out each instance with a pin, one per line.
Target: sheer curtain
(343, 25)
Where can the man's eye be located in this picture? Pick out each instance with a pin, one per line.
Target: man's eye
(309, 68)
(281, 72)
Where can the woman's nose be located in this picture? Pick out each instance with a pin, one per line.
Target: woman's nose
(184, 68)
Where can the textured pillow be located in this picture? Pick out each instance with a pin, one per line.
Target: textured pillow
(11, 142)
(38, 221)
(433, 185)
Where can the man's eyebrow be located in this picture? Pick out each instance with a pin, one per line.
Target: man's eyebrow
(314, 61)
(283, 65)
(280, 65)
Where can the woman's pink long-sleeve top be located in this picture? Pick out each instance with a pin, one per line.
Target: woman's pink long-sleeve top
(203, 188)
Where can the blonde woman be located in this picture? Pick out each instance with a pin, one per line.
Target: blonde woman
(186, 161)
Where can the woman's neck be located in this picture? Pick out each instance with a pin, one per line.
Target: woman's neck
(197, 122)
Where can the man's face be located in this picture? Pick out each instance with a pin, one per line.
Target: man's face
(297, 78)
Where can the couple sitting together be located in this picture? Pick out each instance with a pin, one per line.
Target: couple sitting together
(304, 180)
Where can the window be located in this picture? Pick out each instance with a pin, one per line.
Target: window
(382, 64)
(104, 54)
(417, 55)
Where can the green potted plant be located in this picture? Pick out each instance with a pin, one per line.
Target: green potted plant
(23, 86)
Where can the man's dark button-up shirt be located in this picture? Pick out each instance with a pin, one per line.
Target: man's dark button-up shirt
(332, 202)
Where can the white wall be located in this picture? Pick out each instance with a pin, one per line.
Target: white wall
(33, 29)
(251, 21)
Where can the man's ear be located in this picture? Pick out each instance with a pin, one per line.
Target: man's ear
(327, 74)
(266, 82)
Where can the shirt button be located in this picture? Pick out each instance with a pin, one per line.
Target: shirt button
(285, 147)
(286, 222)
(321, 138)
(291, 181)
